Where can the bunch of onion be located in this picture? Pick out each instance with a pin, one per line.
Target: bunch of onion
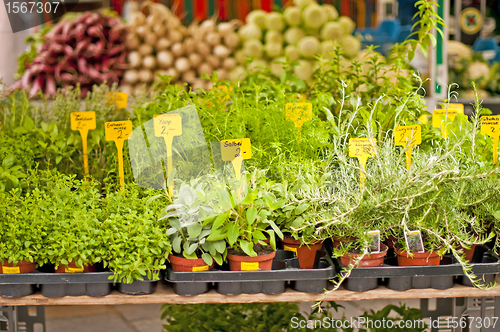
(301, 33)
(160, 44)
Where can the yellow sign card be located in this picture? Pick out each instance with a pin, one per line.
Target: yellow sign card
(118, 130)
(452, 110)
(200, 268)
(490, 125)
(11, 270)
(249, 266)
(361, 148)
(168, 125)
(287, 248)
(299, 113)
(118, 98)
(234, 148)
(73, 270)
(403, 134)
(83, 120)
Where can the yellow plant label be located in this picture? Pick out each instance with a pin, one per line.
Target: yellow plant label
(200, 268)
(362, 148)
(168, 125)
(299, 113)
(11, 270)
(83, 120)
(118, 98)
(490, 125)
(73, 269)
(404, 134)
(234, 148)
(423, 119)
(249, 266)
(287, 248)
(118, 130)
(449, 113)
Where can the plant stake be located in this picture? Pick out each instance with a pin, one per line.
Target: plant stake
(83, 122)
(408, 136)
(362, 148)
(168, 126)
(490, 125)
(119, 131)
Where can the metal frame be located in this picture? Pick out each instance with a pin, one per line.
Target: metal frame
(22, 319)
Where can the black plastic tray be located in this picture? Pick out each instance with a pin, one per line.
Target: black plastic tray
(285, 271)
(485, 266)
(69, 284)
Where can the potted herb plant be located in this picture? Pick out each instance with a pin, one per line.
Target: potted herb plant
(245, 226)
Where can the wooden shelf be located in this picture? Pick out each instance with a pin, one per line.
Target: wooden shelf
(165, 294)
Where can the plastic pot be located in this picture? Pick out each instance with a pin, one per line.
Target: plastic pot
(367, 260)
(247, 263)
(305, 253)
(21, 267)
(469, 253)
(418, 259)
(183, 264)
(72, 268)
(390, 241)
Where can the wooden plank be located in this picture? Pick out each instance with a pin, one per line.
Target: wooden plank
(165, 294)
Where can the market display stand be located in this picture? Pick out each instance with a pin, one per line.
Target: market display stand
(458, 301)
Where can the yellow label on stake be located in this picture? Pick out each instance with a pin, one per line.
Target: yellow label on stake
(423, 119)
(362, 148)
(233, 148)
(200, 268)
(119, 131)
(452, 110)
(83, 122)
(73, 269)
(11, 270)
(408, 136)
(168, 126)
(118, 98)
(287, 248)
(299, 113)
(249, 266)
(490, 125)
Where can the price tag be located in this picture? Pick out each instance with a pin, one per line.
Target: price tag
(490, 125)
(299, 113)
(200, 268)
(11, 270)
(168, 126)
(414, 241)
(83, 122)
(362, 148)
(117, 98)
(233, 148)
(119, 131)
(287, 248)
(374, 244)
(408, 136)
(249, 266)
(73, 269)
(449, 113)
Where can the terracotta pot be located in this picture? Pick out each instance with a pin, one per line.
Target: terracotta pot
(469, 253)
(247, 263)
(305, 253)
(72, 268)
(367, 260)
(183, 264)
(418, 259)
(390, 241)
(20, 267)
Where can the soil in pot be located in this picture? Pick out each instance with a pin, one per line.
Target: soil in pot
(239, 261)
(418, 259)
(72, 268)
(21, 267)
(367, 260)
(182, 264)
(305, 253)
